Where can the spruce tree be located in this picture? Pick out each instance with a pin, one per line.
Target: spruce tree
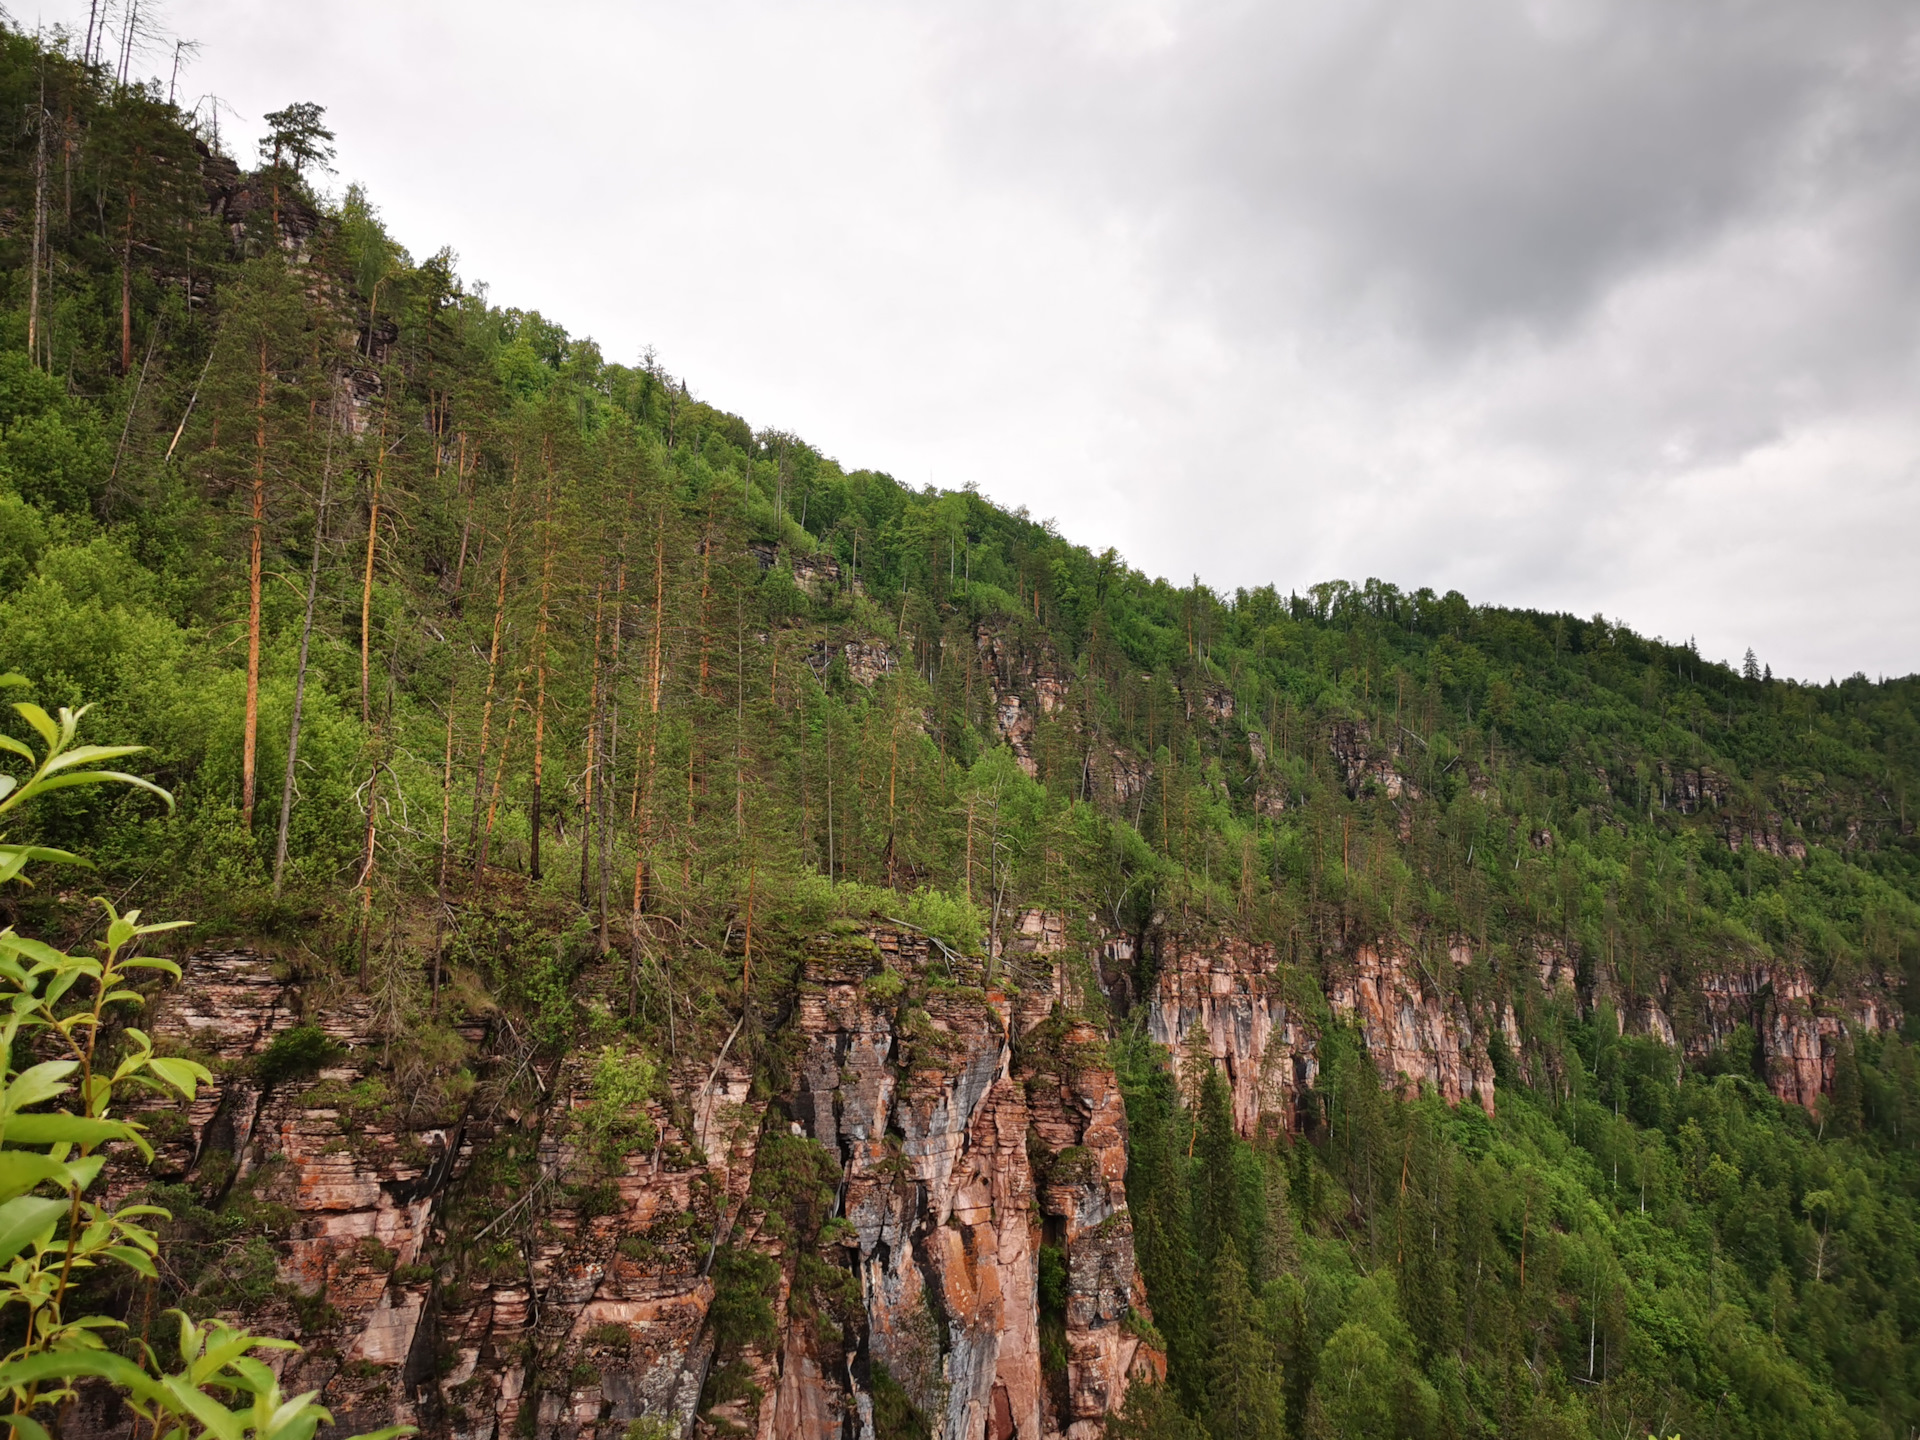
(1246, 1397)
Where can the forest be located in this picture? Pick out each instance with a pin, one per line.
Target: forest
(484, 674)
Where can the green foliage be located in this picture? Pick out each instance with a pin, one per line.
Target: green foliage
(885, 987)
(742, 1313)
(614, 1119)
(296, 1052)
(59, 1004)
(895, 1416)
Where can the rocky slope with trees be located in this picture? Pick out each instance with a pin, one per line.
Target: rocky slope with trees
(692, 939)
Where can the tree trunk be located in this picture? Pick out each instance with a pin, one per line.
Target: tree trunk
(610, 744)
(540, 664)
(706, 589)
(644, 805)
(365, 883)
(446, 829)
(500, 773)
(493, 669)
(300, 673)
(250, 743)
(589, 793)
(126, 288)
(466, 523)
(366, 579)
(39, 225)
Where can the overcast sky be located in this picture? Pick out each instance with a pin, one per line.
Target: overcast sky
(1585, 306)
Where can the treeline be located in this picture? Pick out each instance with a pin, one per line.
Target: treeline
(477, 660)
(1647, 1257)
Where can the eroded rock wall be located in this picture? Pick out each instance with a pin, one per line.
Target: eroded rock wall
(466, 1258)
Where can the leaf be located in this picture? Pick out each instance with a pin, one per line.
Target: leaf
(133, 1258)
(14, 680)
(24, 1426)
(22, 1170)
(40, 721)
(14, 858)
(53, 1128)
(40, 1083)
(186, 1076)
(94, 777)
(25, 1219)
(392, 1432)
(32, 949)
(168, 966)
(119, 927)
(219, 1421)
(293, 1413)
(77, 1365)
(90, 754)
(7, 742)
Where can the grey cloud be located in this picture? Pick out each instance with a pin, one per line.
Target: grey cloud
(1453, 167)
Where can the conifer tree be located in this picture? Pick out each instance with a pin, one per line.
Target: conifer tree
(1246, 1393)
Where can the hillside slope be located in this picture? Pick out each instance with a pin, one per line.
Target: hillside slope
(693, 939)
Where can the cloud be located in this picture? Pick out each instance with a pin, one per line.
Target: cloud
(1580, 305)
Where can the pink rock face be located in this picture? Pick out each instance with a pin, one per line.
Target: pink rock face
(935, 1128)
(1417, 1037)
(1079, 1118)
(1799, 1029)
(1765, 835)
(367, 1192)
(1231, 990)
(1366, 765)
(1025, 681)
(866, 661)
(1234, 992)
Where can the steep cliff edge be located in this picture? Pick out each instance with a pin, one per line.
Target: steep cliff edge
(485, 1248)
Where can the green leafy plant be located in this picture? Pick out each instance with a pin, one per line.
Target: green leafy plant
(60, 1005)
(58, 769)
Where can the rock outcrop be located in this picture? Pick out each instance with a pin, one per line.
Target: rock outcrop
(474, 1258)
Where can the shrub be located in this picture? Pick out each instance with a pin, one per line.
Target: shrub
(294, 1054)
(742, 1313)
(613, 1120)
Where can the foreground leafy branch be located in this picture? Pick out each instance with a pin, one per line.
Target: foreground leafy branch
(57, 1005)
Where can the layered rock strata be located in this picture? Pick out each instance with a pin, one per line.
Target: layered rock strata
(468, 1258)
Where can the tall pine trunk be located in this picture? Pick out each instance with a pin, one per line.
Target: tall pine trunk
(493, 670)
(500, 773)
(644, 804)
(126, 288)
(540, 663)
(300, 674)
(39, 225)
(250, 744)
(366, 579)
(589, 792)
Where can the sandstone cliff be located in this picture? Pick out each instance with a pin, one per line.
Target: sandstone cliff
(461, 1252)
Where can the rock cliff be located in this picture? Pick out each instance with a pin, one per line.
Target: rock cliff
(467, 1253)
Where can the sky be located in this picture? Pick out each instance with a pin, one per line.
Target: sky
(1592, 307)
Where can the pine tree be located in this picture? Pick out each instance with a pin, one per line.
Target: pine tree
(1153, 1412)
(1246, 1396)
(1219, 1217)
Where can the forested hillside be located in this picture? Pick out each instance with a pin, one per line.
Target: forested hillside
(1507, 1008)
